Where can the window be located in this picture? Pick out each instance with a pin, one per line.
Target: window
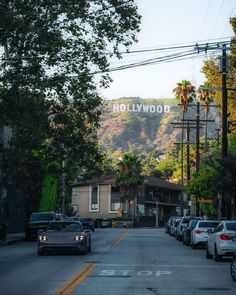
(115, 199)
(231, 226)
(94, 198)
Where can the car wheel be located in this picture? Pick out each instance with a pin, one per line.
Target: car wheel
(233, 269)
(84, 251)
(40, 252)
(208, 255)
(89, 248)
(217, 257)
(194, 246)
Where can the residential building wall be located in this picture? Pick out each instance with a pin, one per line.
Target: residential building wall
(81, 198)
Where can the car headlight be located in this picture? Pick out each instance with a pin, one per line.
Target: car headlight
(42, 238)
(79, 238)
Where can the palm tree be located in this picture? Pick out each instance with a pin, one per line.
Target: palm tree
(206, 96)
(184, 93)
(129, 177)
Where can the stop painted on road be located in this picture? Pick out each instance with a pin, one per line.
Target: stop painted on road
(130, 272)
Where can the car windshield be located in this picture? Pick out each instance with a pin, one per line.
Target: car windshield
(194, 222)
(41, 216)
(64, 227)
(185, 220)
(207, 224)
(231, 226)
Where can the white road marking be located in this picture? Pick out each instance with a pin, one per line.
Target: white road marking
(132, 272)
(162, 265)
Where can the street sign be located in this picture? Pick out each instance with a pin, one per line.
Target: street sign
(205, 200)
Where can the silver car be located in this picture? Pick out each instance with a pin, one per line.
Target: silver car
(233, 262)
(220, 242)
(201, 232)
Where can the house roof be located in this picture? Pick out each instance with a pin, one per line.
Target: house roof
(148, 180)
(154, 181)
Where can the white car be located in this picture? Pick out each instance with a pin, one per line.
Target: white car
(200, 233)
(220, 242)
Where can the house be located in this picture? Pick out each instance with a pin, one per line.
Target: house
(101, 199)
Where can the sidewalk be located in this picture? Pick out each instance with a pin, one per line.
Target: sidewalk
(13, 238)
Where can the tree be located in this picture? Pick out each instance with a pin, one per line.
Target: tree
(52, 49)
(129, 177)
(184, 93)
(213, 79)
(206, 96)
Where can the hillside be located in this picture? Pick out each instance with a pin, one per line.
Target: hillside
(145, 124)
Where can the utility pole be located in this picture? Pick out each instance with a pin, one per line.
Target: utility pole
(188, 152)
(182, 168)
(197, 137)
(224, 70)
(189, 124)
(63, 187)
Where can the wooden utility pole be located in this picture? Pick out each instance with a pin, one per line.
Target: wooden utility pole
(188, 152)
(224, 71)
(197, 137)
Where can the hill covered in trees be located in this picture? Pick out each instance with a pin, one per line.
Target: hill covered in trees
(146, 124)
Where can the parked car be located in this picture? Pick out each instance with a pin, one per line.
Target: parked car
(106, 223)
(72, 218)
(188, 230)
(174, 225)
(220, 242)
(60, 216)
(87, 223)
(233, 262)
(64, 236)
(200, 234)
(184, 221)
(169, 223)
(38, 221)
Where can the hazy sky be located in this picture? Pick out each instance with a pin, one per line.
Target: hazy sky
(168, 23)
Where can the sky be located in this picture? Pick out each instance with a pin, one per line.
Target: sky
(168, 23)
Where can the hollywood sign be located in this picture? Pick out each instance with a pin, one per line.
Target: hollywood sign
(141, 108)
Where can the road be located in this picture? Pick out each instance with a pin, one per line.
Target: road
(122, 261)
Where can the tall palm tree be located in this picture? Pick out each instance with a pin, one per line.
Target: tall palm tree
(184, 93)
(206, 96)
(129, 177)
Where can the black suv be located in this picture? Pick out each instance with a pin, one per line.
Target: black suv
(87, 223)
(38, 221)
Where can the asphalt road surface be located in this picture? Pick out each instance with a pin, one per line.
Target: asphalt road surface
(122, 261)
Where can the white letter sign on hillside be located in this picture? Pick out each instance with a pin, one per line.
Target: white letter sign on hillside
(141, 108)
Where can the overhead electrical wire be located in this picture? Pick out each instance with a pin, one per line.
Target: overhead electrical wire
(204, 21)
(214, 26)
(162, 59)
(232, 12)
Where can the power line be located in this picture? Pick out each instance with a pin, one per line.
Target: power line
(205, 18)
(214, 26)
(229, 18)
